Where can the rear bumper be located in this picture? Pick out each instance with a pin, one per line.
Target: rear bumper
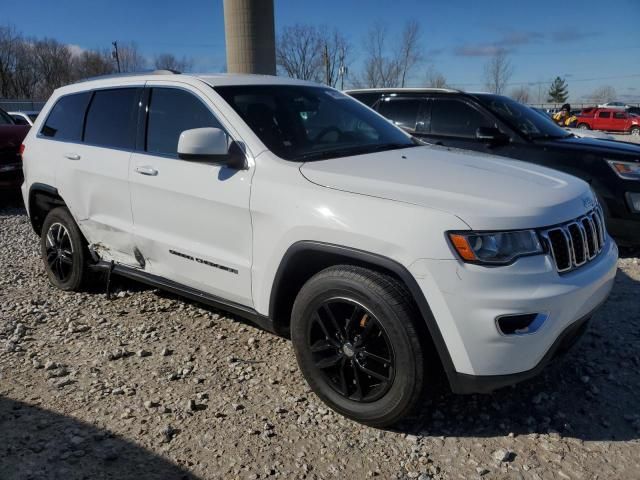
(11, 176)
(464, 384)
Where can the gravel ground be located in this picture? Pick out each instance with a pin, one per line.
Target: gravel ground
(150, 386)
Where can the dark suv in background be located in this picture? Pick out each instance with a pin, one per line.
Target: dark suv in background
(11, 136)
(501, 126)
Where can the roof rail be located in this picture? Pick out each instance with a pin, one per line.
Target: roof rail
(130, 74)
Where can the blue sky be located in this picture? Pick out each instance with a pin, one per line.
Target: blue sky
(590, 42)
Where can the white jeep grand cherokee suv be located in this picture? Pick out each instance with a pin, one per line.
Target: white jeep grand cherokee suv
(297, 207)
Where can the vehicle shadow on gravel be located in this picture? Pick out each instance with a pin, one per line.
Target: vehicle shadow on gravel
(591, 393)
(36, 443)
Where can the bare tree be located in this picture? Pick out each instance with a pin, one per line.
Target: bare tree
(168, 61)
(92, 64)
(497, 72)
(409, 52)
(380, 70)
(521, 94)
(603, 94)
(435, 79)
(25, 73)
(9, 41)
(335, 53)
(299, 52)
(131, 60)
(54, 62)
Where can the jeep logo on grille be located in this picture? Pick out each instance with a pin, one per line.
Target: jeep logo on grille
(588, 202)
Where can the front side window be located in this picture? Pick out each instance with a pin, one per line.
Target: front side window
(112, 117)
(521, 117)
(66, 118)
(456, 118)
(171, 112)
(402, 112)
(304, 123)
(604, 115)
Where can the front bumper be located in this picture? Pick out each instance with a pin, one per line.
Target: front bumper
(466, 300)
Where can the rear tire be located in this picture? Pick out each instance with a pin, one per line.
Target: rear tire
(356, 340)
(635, 131)
(583, 126)
(63, 250)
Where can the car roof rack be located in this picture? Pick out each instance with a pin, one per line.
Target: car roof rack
(131, 74)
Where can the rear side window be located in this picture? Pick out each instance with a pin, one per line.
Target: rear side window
(112, 118)
(402, 112)
(66, 118)
(171, 112)
(604, 114)
(456, 118)
(620, 115)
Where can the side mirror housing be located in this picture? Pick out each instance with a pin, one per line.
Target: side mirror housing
(491, 135)
(210, 144)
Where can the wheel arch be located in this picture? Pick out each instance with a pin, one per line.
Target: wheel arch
(304, 259)
(42, 199)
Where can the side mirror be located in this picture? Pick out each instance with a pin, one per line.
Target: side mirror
(210, 144)
(491, 135)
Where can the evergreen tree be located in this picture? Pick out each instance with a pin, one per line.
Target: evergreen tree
(559, 91)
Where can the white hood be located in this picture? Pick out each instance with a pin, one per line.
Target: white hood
(485, 191)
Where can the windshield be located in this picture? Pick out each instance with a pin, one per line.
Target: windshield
(310, 123)
(528, 121)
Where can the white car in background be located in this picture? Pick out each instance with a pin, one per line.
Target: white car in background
(24, 118)
(298, 207)
(586, 133)
(614, 105)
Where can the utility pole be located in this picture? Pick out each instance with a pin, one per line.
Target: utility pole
(115, 55)
(343, 69)
(327, 78)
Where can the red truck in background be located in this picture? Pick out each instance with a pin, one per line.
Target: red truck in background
(609, 119)
(11, 136)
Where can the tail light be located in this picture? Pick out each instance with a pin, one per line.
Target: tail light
(21, 149)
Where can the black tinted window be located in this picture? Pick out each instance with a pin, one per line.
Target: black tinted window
(111, 120)
(171, 112)
(402, 112)
(604, 114)
(367, 98)
(66, 118)
(5, 118)
(19, 120)
(456, 118)
(620, 115)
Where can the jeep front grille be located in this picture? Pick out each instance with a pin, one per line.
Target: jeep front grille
(577, 242)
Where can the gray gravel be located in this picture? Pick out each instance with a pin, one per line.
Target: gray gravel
(150, 386)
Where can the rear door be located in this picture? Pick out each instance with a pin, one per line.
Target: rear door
(95, 133)
(192, 220)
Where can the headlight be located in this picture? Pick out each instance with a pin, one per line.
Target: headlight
(495, 248)
(626, 170)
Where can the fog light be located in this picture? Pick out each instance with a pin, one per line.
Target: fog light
(634, 202)
(522, 324)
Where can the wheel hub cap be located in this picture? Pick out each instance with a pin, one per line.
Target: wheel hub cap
(348, 350)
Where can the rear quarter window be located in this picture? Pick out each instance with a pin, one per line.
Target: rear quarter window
(66, 118)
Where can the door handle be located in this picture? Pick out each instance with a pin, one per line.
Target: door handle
(152, 172)
(72, 156)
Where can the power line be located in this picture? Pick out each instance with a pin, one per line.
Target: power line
(545, 82)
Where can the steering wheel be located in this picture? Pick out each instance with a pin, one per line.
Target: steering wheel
(326, 131)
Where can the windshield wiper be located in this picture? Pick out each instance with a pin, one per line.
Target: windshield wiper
(357, 150)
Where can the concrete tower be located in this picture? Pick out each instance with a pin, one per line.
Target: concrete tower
(250, 36)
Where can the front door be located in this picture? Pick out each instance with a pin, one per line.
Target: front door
(192, 221)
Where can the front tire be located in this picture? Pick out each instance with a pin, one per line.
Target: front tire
(583, 126)
(63, 250)
(356, 340)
